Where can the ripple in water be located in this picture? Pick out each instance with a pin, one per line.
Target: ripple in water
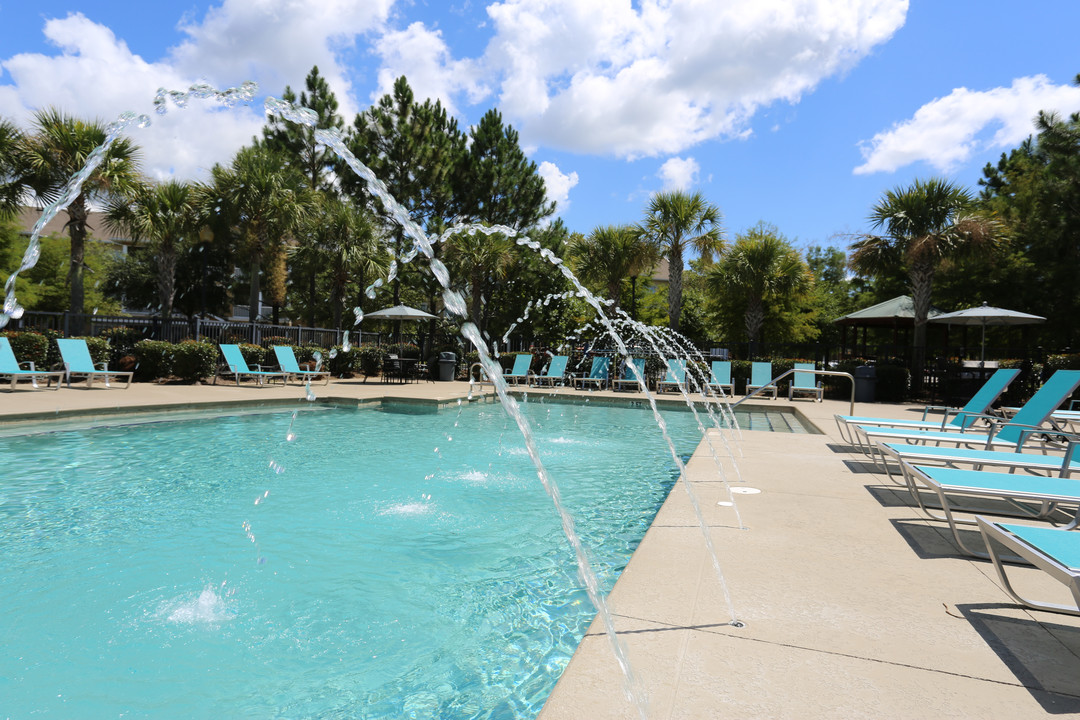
(208, 608)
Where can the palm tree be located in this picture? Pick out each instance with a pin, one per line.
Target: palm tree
(482, 260)
(12, 169)
(166, 216)
(677, 221)
(923, 224)
(342, 238)
(56, 150)
(761, 269)
(609, 255)
(264, 199)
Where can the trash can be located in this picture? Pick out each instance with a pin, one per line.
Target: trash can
(865, 383)
(447, 363)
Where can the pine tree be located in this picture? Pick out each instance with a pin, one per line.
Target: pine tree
(499, 183)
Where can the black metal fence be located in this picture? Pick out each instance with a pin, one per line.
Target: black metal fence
(180, 328)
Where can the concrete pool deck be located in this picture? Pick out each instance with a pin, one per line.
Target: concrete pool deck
(854, 604)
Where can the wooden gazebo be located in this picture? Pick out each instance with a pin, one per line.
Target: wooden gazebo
(898, 314)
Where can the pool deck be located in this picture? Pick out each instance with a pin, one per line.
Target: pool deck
(854, 605)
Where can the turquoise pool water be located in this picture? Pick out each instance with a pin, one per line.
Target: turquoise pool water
(339, 563)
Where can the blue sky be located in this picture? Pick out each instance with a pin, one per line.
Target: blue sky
(800, 113)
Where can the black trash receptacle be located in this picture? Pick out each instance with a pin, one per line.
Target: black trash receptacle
(865, 383)
(447, 363)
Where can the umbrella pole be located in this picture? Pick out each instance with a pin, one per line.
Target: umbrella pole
(982, 357)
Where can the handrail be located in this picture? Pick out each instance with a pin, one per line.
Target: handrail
(784, 374)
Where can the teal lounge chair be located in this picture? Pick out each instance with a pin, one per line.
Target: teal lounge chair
(12, 368)
(287, 362)
(520, 372)
(629, 381)
(555, 371)
(721, 378)
(598, 374)
(978, 405)
(947, 484)
(77, 361)
(1008, 435)
(1054, 551)
(761, 379)
(803, 381)
(1062, 464)
(237, 367)
(675, 378)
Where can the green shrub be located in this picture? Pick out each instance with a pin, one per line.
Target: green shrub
(269, 341)
(371, 359)
(255, 355)
(194, 361)
(306, 353)
(122, 341)
(154, 360)
(1062, 362)
(30, 346)
(343, 364)
(405, 350)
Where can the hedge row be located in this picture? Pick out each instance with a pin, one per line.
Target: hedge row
(193, 361)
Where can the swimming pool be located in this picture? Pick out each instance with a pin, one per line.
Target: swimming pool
(339, 563)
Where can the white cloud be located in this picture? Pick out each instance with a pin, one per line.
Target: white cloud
(94, 74)
(422, 56)
(97, 76)
(557, 184)
(679, 173)
(947, 131)
(276, 42)
(603, 76)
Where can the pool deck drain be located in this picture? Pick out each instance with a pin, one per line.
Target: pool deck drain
(854, 604)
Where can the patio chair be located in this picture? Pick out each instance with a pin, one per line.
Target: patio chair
(675, 378)
(520, 373)
(978, 405)
(761, 379)
(1062, 465)
(555, 371)
(1004, 435)
(721, 378)
(628, 380)
(1053, 550)
(287, 362)
(236, 366)
(598, 374)
(803, 381)
(949, 483)
(12, 368)
(77, 361)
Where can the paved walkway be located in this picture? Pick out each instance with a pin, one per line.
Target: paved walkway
(854, 606)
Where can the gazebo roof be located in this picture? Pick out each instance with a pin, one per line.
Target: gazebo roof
(900, 311)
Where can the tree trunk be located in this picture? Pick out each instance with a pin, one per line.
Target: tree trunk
(77, 232)
(311, 298)
(166, 280)
(613, 295)
(674, 298)
(921, 276)
(255, 294)
(755, 318)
